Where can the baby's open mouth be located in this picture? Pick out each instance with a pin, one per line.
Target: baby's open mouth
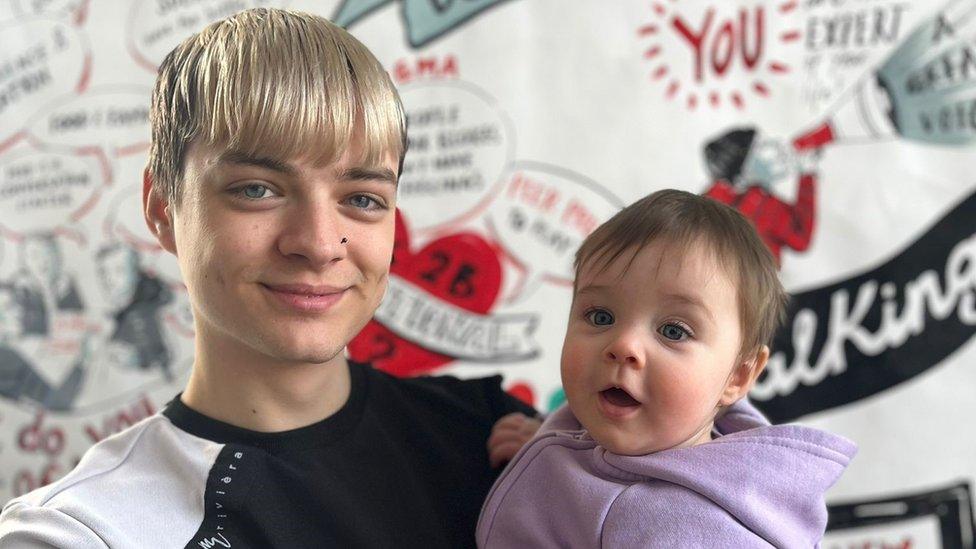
(619, 397)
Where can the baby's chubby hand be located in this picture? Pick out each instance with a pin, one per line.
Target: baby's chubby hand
(509, 434)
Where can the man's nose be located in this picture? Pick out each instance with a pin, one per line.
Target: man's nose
(314, 233)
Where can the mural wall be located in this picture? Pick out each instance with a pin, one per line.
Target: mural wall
(845, 129)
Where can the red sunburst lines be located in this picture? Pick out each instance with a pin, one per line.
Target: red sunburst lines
(660, 72)
(779, 68)
(672, 89)
(647, 29)
(790, 36)
(787, 7)
(737, 100)
(760, 88)
(652, 52)
(692, 101)
(714, 98)
(659, 9)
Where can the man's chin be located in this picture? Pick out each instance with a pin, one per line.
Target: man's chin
(311, 356)
(288, 350)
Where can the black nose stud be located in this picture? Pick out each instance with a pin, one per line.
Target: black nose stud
(344, 240)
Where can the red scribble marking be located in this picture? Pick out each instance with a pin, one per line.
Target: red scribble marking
(450, 226)
(737, 100)
(660, 72)
(12, 140)
(135, 241)
(85, 76)
(652, 52)
(672, 89)
(130, 44)
(11, 235)
(505, 255)
(173, 322)
(35, 142)
(71, 234)
(778, 67)
(761, 89)
(103, 161)
(131, 149)
(647, 29)
(692, 102)
(87, 206)
(660, 9)
(714, 99)
(791, 36)
(81, 13)
(788, 7)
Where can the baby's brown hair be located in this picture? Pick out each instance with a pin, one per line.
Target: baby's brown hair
(686, 220)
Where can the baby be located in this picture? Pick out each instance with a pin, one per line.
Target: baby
(675, 300)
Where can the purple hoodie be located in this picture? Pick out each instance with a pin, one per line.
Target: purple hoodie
(756, 486)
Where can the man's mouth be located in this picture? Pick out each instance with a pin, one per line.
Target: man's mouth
(309, 290)
(306, 297)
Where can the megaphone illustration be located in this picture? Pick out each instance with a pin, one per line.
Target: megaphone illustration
(924, 91)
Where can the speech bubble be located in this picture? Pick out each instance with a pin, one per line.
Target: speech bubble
(460, 145)
(114, 120)
(124, 221)
(9, 11)
(157, 26)
(351, 11)
(541, 216)
(39, 61)
(56, 8)
(42, 191)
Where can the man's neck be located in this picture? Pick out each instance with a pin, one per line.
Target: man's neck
(234, 385)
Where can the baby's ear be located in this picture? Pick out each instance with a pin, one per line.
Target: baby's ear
(744, 377)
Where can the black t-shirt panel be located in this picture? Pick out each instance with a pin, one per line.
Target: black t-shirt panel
(402, 464)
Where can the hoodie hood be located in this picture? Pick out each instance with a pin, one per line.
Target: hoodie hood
(770, 478)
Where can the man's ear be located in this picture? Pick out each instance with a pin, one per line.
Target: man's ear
(158, 213)
(744, 376)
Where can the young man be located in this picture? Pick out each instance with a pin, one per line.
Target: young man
(277, 141)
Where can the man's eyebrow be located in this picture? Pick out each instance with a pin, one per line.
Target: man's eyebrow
(368, 174)
(273, 164)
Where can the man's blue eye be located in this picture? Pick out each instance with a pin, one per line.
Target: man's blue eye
(254, 192)
(600, 317)
(363, 201)
(674, 332)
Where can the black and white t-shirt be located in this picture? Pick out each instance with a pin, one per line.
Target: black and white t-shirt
(402, 464)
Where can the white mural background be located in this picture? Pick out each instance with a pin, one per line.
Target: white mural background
(846, 129)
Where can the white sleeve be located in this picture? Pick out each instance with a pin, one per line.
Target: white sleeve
(33, 527)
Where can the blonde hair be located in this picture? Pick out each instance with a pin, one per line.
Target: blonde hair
(272, 82)
(687, 220)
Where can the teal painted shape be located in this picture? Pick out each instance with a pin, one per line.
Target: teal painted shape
(351, 11)
(429, 19)
(557, 399)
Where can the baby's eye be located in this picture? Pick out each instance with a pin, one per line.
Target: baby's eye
(599, 317)
(674, 331)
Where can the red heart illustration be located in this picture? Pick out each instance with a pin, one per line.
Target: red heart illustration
(462, 269)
